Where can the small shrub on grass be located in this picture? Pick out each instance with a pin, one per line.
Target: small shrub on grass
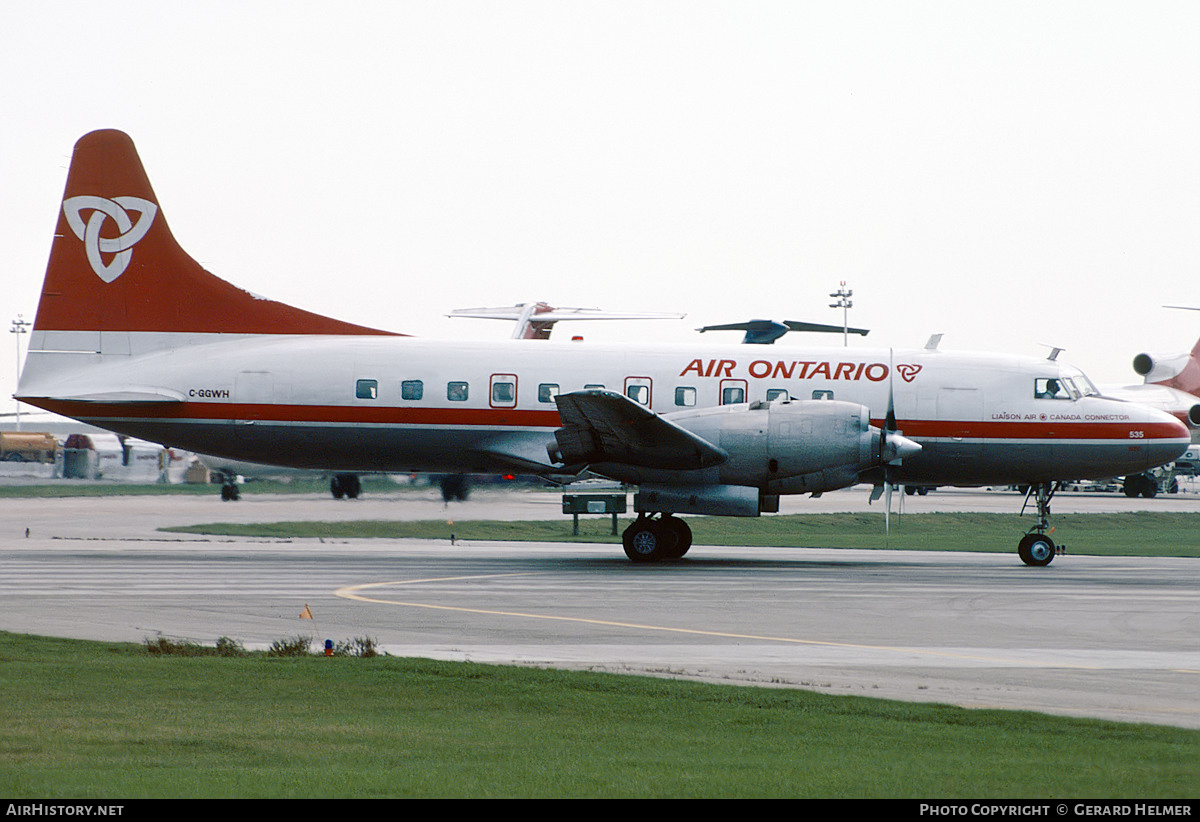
(292, 646)
(230, 647)
(361, 646)
(365, 646)
(161, 646)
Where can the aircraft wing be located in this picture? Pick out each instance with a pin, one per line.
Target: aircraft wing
(535, 321)
(522, 453)
(765, 332)
(604, 426)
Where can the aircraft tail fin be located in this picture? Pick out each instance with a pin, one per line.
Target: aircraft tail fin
(115, 267)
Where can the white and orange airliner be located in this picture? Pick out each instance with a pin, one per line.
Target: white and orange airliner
(134, 336)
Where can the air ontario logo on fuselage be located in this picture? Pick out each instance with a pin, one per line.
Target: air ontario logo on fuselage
(122, 246)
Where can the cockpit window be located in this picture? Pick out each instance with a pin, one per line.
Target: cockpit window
(1051, 389)
(1086, 387)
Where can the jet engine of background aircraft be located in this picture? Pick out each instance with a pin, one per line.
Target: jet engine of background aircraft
(1177, 372)
(1170, 382)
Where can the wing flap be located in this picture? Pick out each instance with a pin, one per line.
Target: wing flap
(607, 427)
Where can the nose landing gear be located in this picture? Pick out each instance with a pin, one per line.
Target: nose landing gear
(1036, 548)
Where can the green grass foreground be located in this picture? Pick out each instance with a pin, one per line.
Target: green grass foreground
(97, 720)
(1138, 533)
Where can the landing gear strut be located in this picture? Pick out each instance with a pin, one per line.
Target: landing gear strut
(653, 540)
(1036, 548)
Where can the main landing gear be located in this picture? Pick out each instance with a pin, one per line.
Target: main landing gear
(652, 540)
(229, 486)
(345, 485)
(1036, 548)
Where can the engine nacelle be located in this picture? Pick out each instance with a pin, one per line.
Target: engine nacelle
(1159, 367)
(789, 447)
(733, 459)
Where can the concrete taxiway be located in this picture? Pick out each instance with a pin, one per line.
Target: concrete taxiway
(1115, 638)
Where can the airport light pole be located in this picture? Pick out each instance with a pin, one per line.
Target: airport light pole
(844, 302)
(19, 327)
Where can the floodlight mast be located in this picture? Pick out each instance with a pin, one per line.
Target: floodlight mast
(19, 327)
(844, 302)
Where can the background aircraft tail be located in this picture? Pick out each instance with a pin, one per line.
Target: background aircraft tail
(1179, 371)
(115, 267)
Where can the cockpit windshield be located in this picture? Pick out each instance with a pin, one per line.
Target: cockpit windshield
(1064, 388)
(1086, 387)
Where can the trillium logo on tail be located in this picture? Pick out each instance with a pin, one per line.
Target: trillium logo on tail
(121, 246)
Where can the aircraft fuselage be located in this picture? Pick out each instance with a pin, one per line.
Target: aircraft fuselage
(387, 403)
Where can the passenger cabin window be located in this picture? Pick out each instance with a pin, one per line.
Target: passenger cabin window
(732, 391)
(1050, 389)
(547, 391)
(822, 395)
(456, 391)
(777, 394)
(685, 396)
(639, 389)
(594, 386)
(412, 390)
(504, 392)
(367, 389)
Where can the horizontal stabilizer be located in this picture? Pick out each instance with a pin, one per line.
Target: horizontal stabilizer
(606, 427)
(126, 396)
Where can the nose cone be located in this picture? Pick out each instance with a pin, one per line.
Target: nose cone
(899, 448)
(1155, 437)
(1174, 439)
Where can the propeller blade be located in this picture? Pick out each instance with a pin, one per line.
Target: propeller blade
(890, 422)
(887, 511)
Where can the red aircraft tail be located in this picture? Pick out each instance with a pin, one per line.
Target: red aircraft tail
(115, 266)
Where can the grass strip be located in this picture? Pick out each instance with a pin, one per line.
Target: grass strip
(98, 488)
(1136, 533)
(99, 720)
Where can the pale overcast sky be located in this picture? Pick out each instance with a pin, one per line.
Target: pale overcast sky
(1009, 173)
